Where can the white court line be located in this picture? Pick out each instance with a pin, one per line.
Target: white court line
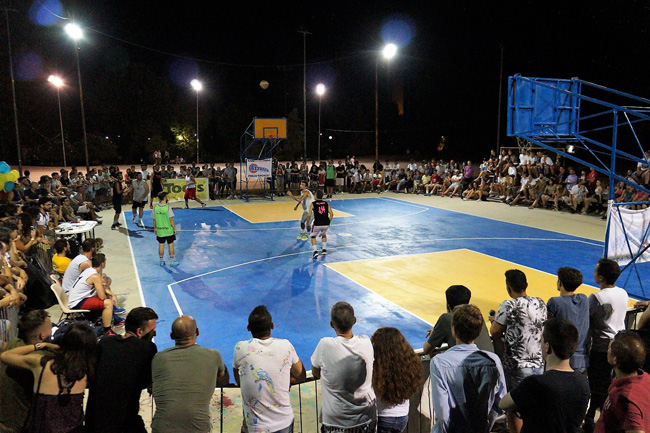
(171, 291)
(135, 267)
(493, 219)
(236, 214)
(390, 218)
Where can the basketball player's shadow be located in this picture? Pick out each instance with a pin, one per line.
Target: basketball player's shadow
(129, 232)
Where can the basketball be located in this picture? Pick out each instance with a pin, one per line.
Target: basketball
(264, 84)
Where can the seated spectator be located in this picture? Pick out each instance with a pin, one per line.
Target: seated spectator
(60, 260)
(396, 376)
(574, 308)
(466, 383)
(43, 224)
(519, 321)
(79, 264)
(344, 366)
(628, 401)
(441, 332)
(123, 369)
(265, 367)
(17, 385)
(607, 309)
(555, 401)
(57, 404)
(182, 395)
(90, 292)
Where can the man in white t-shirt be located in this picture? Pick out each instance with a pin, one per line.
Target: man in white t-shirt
(344, 366)
(265, 367)
(78, 264)
(607, 310)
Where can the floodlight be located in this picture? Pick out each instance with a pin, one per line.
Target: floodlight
(320, 89)
(389, 51)
(56, 81)
(74, 31)
(196, 85)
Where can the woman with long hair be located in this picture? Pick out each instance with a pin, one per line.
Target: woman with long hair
(396, 376)
(59, 379)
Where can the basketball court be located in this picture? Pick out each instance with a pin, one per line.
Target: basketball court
(391, 258)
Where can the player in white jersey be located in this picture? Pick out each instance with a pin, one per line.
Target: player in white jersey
(306, 198)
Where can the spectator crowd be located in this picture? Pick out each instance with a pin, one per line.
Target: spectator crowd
(566, 364)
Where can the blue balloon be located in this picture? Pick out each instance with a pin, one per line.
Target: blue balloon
(4, 167)
(9, 186)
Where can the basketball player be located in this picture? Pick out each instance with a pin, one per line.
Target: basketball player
(190, 189)
(140, 194)
(323, 216)
(164, 228)
(306, 197)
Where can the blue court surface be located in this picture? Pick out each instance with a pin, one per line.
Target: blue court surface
(229, 265)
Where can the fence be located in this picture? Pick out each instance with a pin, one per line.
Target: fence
(8, 323)
(226, 405)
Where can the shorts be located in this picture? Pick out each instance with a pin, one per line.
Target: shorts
(599, 373)
(82, 209)
(92, 304)
(330, 182)
(317, 231)
(340, 181)
(515, 376)
(137, 204)
(117, 204)
(303, 219)
(169, 239)
(190, 193)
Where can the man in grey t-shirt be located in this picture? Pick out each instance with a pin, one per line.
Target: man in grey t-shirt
(184, 379)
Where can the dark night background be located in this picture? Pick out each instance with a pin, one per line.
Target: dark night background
(444, 81)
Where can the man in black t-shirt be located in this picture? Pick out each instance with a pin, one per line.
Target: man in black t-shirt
(555, 401)
(323, 216)
(122, 371)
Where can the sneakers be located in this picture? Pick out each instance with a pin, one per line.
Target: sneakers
(119, 311)
(140, 224)
(324, 252)
(162, 263)
(315, 255)
(133, 219)
(151, 206)
(173, 263)
(305, 236)
(118, 321)
(114, 226)
(300, 236)
(187, 207)
(203, 206)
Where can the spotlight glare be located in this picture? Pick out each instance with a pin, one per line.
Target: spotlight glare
(389, 51)
(196, 85)
(56, 81)
(74, 31)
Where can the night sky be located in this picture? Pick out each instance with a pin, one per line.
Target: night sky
(444, 80)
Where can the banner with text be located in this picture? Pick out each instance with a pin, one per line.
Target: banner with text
(258, 168)
(176, 189)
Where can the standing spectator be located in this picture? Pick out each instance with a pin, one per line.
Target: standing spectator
(628, 403)
(144, 171)
(344, 366)
(17, 385)
(556, 401)
(441, 332)
(520, 321)
(265, 367)
(466, 383)
(118, 192)
(62, 378)
(396, 376)
(607, 310)
(330, 178)
(574, 308)
(123, 369)
(184, 379)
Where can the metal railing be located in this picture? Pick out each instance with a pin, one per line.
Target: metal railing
(8, 323)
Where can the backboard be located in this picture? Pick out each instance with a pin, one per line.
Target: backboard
(270, 128)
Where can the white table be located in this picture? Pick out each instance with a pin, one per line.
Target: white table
(80, 228)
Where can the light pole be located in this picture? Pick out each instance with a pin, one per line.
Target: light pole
(75, 33)
(320, 90)
(387, 53)
(58, 82)
(197, 86)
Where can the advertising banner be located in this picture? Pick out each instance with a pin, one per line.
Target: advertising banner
(176, 188)
(256, 168)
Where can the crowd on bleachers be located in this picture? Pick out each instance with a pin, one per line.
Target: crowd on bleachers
(532, 178)
(549, 365)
